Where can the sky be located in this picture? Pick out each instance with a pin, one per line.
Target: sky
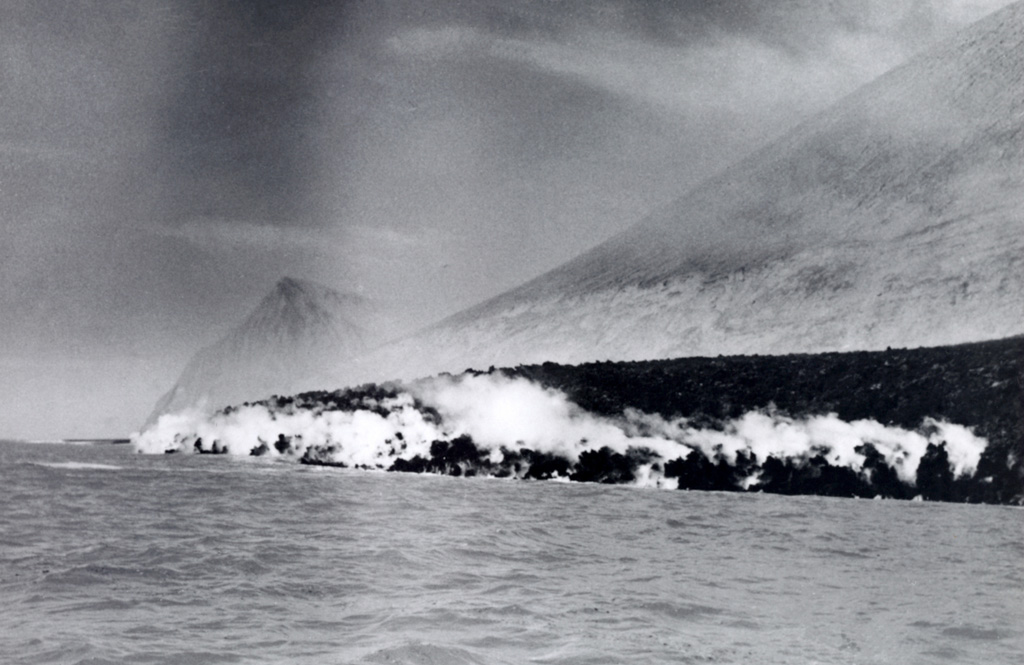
(164, 163)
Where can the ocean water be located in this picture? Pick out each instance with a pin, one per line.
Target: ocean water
(107, 556)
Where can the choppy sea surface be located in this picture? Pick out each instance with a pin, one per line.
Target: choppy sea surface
(111, 557)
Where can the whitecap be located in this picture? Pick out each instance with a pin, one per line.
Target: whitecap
(80, 465)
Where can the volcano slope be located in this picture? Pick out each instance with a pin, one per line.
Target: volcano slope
(894, 218)
(297, 328)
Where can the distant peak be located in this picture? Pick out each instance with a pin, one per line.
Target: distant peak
(292, 288)
(292, 285)
(292, 295)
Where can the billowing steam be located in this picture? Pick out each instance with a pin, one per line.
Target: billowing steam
(500, 426)
(764, 435)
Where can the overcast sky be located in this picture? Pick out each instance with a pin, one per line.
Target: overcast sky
(164, 163)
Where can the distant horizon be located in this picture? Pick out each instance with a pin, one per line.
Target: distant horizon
(103, 440)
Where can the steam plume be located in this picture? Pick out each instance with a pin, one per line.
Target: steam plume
(500, 426)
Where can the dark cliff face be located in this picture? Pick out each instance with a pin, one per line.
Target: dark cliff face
(297, 329)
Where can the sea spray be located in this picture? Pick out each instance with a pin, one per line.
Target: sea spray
(495, 425)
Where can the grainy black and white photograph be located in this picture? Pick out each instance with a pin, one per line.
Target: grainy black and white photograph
(494, 332)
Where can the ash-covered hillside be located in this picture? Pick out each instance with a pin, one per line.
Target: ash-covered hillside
(894, 218)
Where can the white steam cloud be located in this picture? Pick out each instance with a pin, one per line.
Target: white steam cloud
(502, 414)
(775, 435)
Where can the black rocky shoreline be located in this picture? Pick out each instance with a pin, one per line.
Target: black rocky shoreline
(978, 385)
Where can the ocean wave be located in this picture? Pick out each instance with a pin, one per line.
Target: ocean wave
(80, 466)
